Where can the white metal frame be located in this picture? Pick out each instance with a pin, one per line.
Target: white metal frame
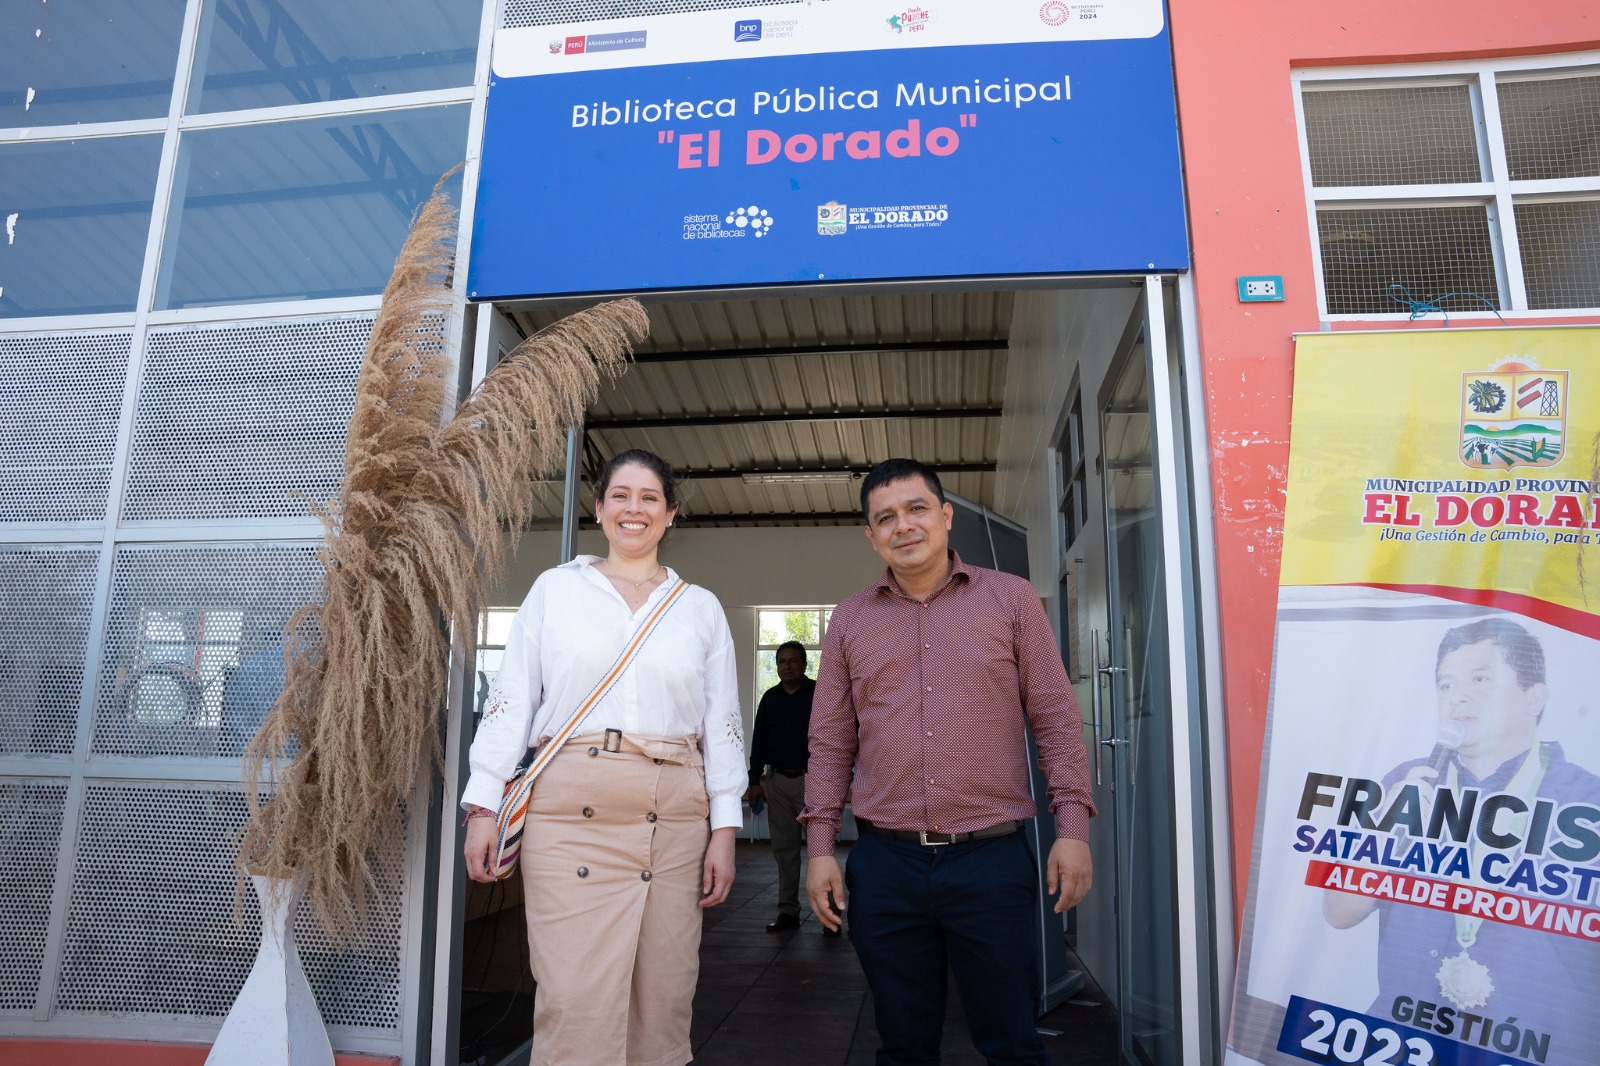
(1499, 193)
(1217, 816)
(1181, 650)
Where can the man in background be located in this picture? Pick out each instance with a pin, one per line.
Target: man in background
(783, 719)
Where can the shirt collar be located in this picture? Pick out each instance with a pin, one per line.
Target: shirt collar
(888, 584)
(588, 565)
(1502, 774)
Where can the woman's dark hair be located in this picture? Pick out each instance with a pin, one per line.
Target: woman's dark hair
(651, 462)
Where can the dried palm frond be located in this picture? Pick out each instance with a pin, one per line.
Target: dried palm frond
(411, 544)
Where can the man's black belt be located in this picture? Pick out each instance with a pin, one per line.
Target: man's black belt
(927, 839)
(788, 773)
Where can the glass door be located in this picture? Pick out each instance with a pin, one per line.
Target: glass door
(1136, 739)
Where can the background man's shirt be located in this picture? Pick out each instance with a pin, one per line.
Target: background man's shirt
(783, 721)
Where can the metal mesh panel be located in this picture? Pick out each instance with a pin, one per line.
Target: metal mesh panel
(361, 988)
(60, 400)
(1560, 245)
(150, 929)
(192, 657)
(1430, 250)
(1552, 127)
(233, 421)
(1416, 135)
(30, 833)
(547, 12)
(46, 602)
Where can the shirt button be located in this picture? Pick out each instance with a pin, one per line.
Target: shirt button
(650, 817)
(583, 871)
(930, 780)
(927, 645)
(645, 876)
(588, 812)
(930, 688)
(930, 734)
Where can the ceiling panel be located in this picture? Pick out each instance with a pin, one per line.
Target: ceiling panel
(834, 409)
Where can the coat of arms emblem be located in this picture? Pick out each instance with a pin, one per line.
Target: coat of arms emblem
(1514, 414)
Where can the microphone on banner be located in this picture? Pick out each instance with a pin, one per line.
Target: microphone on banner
(1450, 736)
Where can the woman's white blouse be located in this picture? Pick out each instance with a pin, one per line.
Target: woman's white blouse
(567, 634)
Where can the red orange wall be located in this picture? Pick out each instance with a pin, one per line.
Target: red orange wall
(24, 1051)
(1247, 215)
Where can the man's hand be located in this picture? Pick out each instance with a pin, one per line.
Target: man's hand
(1071, 871)
(479, 849)
(718, 876)
(824, 877)
(754, 792)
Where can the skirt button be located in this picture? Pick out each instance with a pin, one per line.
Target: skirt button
(583, 871)
(650, 817)
(645, 876)
(588, 812)
(658, 762)
(593, 752)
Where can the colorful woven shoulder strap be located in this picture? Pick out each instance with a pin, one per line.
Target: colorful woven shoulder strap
(640, 635)
(516, 799)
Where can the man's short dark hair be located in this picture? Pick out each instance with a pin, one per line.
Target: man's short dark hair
(891, 470)
(1521, 649)
(795, 644)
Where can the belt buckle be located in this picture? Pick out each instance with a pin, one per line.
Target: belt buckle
(613, 740)
(922, 838)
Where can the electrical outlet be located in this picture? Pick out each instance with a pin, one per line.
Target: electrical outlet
(1261, 288)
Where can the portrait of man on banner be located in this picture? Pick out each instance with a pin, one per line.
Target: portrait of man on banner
(1492, 693)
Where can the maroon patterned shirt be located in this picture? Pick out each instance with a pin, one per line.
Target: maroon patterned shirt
(926, 702)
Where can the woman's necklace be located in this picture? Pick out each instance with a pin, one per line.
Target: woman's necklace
(638, 586)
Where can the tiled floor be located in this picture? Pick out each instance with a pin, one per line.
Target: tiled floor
(800, 998)
(795, 997)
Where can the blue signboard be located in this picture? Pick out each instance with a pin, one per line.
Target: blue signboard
(825, 143)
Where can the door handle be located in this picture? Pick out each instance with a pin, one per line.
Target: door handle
(1114, 741)
(1094, 699)
(1112, 671)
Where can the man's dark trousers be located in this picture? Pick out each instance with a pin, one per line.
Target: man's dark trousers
(913, 908)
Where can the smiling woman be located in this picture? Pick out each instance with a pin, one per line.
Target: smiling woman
(632, 822)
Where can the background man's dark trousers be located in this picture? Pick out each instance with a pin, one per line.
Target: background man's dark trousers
(785, 797)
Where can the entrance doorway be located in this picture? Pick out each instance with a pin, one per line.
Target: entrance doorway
(774, 408)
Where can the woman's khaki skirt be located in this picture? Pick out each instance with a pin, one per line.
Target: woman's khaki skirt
(612, 860)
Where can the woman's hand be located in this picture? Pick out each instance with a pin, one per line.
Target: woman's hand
(719, 867)
(479, 848)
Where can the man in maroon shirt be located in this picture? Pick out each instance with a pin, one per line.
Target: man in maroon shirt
(927, 681)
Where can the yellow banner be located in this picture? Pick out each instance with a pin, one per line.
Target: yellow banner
(1458, 463)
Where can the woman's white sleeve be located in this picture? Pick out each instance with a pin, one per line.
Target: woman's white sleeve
(723, 729)
(502, 735)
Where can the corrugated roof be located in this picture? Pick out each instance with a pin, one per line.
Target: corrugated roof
(807, 386)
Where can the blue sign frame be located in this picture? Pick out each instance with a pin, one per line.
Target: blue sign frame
(1009, 160)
